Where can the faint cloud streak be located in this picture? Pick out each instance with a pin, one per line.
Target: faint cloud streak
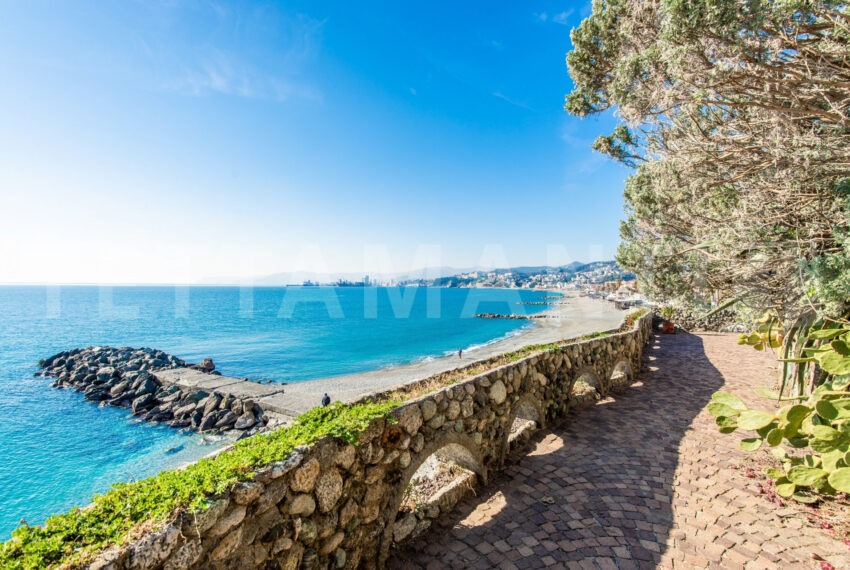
(226, 74)
(510, 101)
(259, 55)
(561, 18)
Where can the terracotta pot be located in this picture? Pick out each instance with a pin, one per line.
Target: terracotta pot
(668, 327)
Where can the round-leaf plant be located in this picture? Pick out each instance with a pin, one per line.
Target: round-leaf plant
(811, 439)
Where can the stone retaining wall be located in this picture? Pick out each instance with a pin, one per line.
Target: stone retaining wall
(335, 505)
(723, 321)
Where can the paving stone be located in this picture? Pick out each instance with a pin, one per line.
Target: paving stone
(641, 480)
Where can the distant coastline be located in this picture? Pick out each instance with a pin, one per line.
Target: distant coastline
(579, 316)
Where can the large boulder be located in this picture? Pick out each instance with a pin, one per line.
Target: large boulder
(206, 365)
(197, 416)
(246, 421)
(184, 411)
(143, 403)
(140, 379)
(105, 373)
(226, 420)
(211, 403)
(147, 386)
(208, 422)
(96, 394)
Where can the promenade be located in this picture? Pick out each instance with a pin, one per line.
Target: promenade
(644, 480)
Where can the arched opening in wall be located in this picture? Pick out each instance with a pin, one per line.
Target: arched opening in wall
(527, 420)
(621, 375)
(435, 488)
(586, 390)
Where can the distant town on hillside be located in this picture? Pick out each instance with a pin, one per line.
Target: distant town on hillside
(576, 275)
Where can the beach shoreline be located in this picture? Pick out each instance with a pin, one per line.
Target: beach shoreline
(568, 317)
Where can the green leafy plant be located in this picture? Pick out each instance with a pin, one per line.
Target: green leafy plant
(74, 537)
(667, 312)
(810, 349)
(767, 334)
(810, 435)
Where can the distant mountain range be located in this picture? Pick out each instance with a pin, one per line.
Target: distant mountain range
(574, 267)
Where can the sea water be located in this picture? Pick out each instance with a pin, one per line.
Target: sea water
(57, 450)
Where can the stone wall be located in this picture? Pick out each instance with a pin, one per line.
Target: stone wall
(723, 321)
(335, 505)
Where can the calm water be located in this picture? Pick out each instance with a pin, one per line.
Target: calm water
(57, 450)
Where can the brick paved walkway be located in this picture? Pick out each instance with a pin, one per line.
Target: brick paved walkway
(642, 480)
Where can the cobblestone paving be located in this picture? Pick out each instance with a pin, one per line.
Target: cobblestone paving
(642, 480)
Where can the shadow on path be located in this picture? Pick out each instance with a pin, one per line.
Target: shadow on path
(596, 489)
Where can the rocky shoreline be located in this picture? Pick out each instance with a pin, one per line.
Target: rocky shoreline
(126, 377)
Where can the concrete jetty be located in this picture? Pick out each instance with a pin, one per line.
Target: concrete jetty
(274, 399)
(188, 379)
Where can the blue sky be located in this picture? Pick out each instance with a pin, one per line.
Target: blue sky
(176, 141)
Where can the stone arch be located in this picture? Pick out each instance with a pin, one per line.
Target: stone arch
(621, 374)
(586, 387)
(590, 375)
(452, 446)
(527, 416)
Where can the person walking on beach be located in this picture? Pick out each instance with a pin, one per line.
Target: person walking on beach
(326, 400)
(460, 353)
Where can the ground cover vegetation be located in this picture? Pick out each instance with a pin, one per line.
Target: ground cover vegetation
(70, 539)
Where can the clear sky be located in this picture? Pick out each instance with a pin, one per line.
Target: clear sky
(173, 141)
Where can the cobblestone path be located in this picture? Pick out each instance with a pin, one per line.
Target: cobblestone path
(641, 480)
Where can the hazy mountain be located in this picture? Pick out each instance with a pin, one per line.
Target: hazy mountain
(423, 274)
(299, 277)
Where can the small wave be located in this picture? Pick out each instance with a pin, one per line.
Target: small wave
(445, 354)
(511, 334)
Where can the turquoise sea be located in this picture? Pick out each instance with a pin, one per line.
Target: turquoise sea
(57, 450)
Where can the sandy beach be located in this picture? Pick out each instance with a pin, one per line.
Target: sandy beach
(569, 317)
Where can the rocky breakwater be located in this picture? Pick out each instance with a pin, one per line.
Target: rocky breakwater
(127, 377)
(513, 316)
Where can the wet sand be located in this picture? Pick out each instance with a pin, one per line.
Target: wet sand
(572, 316)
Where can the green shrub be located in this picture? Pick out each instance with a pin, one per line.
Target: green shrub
(811, 436)
(74, 537)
